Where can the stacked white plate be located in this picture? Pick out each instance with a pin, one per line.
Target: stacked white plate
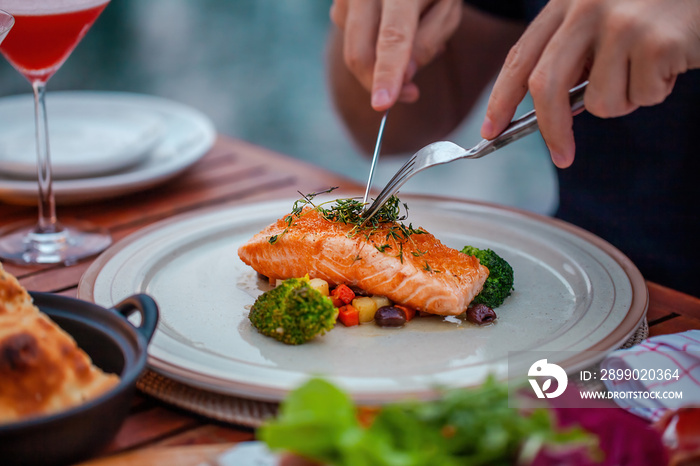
(103, 144)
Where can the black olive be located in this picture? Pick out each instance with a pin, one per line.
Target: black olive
(480, 314)
(358, 291)
(390, 316)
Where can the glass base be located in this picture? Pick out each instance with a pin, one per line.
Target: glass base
(25, 244)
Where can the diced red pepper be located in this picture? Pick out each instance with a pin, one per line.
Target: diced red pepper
(409, 311)
(341, 295)
(349, 315)
(337, 302)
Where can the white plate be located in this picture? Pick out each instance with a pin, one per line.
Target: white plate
(132, 142)
(574, 293)
(87, 138)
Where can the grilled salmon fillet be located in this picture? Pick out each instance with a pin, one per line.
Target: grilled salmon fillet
(409, 266)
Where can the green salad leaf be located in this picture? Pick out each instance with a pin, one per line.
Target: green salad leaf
(316, 421)
(466, 426)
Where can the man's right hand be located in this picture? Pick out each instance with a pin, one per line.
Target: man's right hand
(387, 41)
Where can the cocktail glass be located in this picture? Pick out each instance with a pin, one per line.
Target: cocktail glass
(6, 22)
(45, 33)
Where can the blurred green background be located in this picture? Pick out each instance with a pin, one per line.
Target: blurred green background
(256, 68)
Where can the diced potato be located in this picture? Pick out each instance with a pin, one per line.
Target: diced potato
(366, 307)
(381, 301)
(321, 285)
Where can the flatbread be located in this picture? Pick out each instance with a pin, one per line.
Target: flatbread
(42, 370)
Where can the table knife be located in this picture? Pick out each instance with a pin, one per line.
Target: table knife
(375, 157)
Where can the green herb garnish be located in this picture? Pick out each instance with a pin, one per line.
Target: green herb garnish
(349, 212)
(382, 248)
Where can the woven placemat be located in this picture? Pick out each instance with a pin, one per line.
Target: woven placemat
(639, 335)
(226, 408)
(243, 411)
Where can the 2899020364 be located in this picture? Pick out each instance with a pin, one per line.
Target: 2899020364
(631, 374)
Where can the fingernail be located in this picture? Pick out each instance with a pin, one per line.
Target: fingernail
(380, 99)
(556, 157)
(487, 128)
(560, 160)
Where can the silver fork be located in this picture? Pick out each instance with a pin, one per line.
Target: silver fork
(442, 152)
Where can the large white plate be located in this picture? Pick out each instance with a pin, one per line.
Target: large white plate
(128, 142)
(574, 293)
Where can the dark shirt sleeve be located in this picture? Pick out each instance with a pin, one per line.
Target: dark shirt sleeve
(511, 9)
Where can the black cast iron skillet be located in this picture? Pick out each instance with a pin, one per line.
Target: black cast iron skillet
(114, 345)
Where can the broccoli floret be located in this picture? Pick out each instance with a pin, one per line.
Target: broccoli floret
(500, 282)
(293, 312)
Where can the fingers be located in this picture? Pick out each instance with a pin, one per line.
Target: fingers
(654, 66)
(512, 82)
(436, 26)
(359, 38)
(650, 88)
(397, 30)
(607, 92)
(559, 68)
(549, 60)
(377, 46)
(636, 63)
(387, 41)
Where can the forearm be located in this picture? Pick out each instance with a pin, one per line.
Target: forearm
(449, 86)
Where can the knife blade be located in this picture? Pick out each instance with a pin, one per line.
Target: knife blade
(375, 157)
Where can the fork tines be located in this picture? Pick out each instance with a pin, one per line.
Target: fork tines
(392, 187)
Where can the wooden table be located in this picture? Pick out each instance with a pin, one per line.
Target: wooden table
(233, 172)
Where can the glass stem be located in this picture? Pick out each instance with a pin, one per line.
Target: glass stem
(47, 204)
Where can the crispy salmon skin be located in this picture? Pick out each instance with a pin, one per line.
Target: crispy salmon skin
(409, 266)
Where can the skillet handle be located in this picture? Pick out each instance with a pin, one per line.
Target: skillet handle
(146, 307)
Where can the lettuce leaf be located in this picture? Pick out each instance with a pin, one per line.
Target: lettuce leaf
(316, 421)
(468, 426)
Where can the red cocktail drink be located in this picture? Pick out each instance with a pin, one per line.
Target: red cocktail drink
(40, 42)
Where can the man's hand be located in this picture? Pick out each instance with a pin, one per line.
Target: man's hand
(631, 52)
(387, 41)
